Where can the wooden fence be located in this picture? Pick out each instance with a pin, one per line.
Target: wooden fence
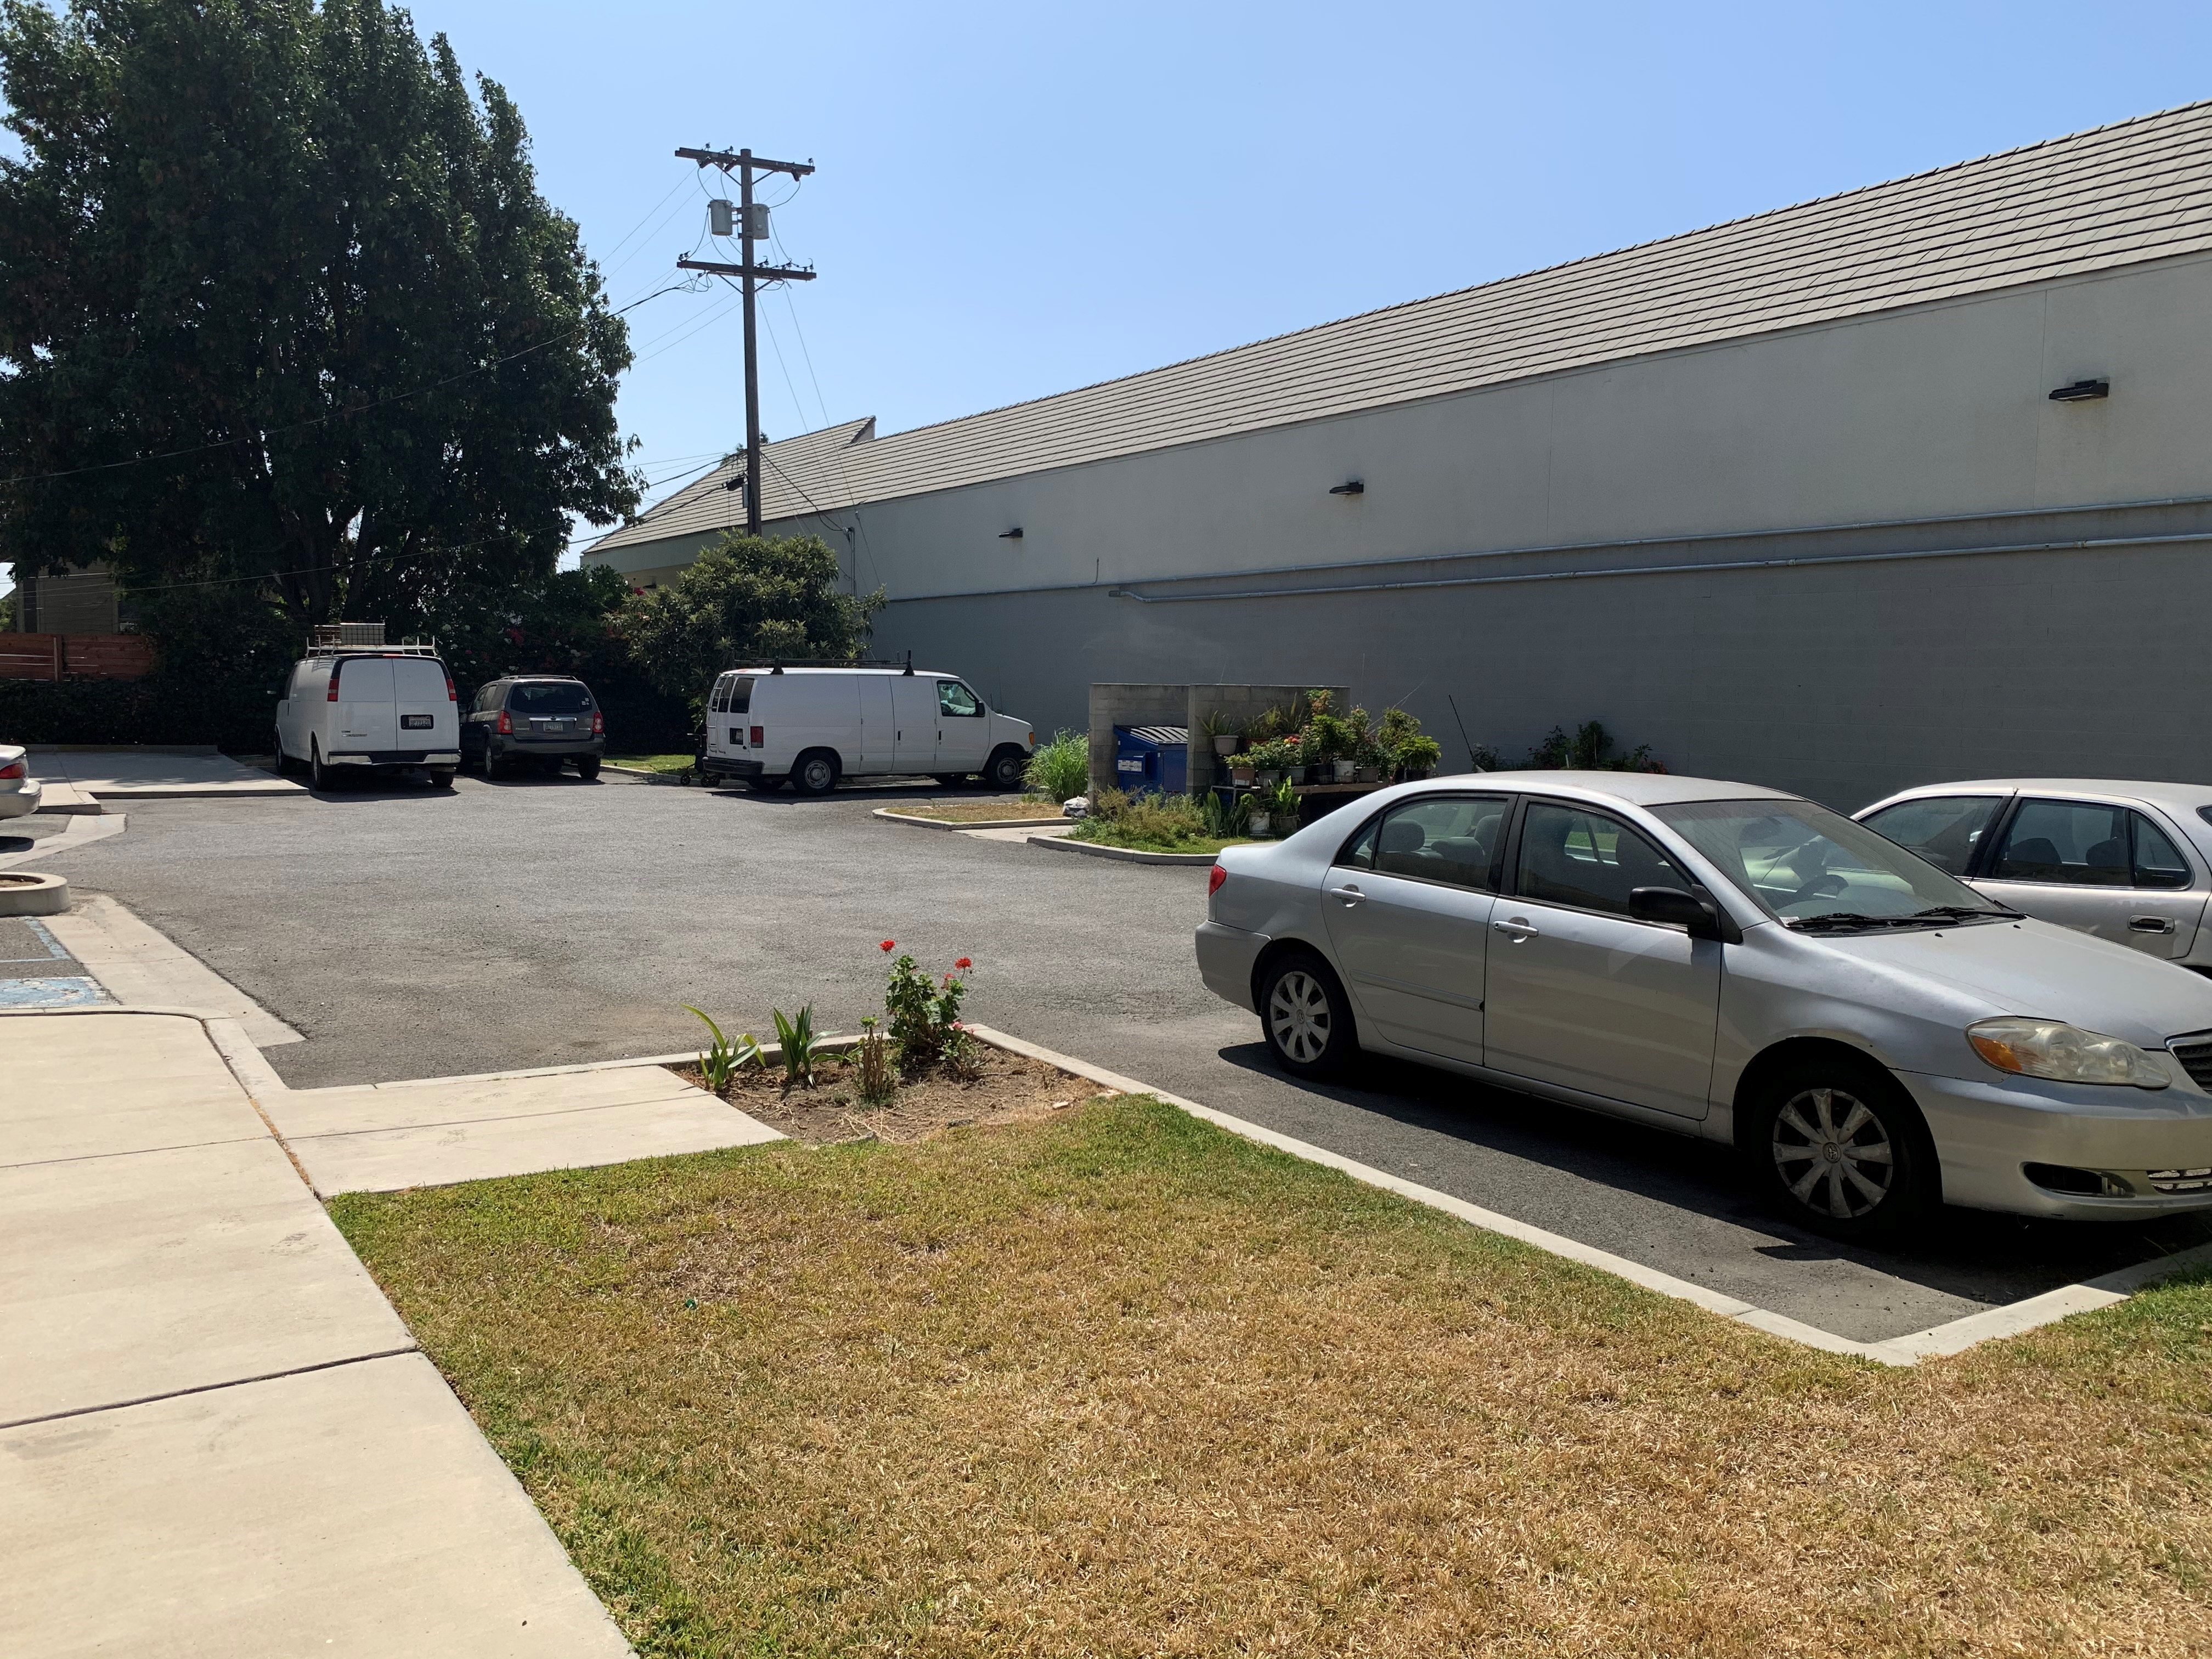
(76, 656)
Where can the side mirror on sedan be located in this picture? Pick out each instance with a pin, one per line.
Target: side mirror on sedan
(1674, 907)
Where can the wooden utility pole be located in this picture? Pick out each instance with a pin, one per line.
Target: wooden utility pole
(744, 164)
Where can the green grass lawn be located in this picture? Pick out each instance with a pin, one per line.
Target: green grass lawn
(654, 762)
(1107, 834)
(1118, 1384)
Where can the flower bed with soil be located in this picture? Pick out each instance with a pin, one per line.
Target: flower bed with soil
(997, 1087)
(977, 811)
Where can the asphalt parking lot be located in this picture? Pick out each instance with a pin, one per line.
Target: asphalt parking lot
(536, 921)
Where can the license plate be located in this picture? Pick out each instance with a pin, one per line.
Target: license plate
(415, 722)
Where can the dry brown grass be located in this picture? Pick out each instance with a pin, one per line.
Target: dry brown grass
(977, 811)
(1114, 1383)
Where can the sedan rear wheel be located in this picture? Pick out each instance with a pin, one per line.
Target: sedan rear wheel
(1306, 1015)
(1843, 1149)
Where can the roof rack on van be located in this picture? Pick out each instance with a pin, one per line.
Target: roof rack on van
(777, 664)
(332, 639)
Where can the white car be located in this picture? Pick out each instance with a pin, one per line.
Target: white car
(2129, 862)
(815, 726)
(1737, 963)
(368, 710)
(19, 790)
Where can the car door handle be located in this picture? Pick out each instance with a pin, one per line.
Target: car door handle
(2150, 925)
(1518, 928)
(1349, 894)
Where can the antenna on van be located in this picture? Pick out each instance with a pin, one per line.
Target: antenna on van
(909, 664)
(776, 668)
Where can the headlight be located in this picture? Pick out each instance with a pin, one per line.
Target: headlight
(2065, 1053)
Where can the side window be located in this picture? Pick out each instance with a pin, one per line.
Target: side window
(1358, 852)
(717, 699)
(1572, 856)
(2070, 843)
(740, 697)
(954, 698)
(488, 698)
(2158, 861)
(1945, 829)
(1446, 838)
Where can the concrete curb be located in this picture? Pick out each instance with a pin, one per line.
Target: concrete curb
(1938, 1341)
(32, 893)
(1127, 854)
(894, 817)
(644, 772)
(82, 831)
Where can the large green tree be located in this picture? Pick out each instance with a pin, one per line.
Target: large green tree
(280, 301)
(747, 597)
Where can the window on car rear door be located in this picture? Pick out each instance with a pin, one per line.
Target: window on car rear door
(2100, 866)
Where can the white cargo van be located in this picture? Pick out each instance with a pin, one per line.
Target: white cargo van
(366, 712)
(814, 725)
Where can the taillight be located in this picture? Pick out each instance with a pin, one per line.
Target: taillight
(15, 770)
(599, 724)
(1213, 882)
(757, 739)
(506, 726)
(450, 697)
(337, 668)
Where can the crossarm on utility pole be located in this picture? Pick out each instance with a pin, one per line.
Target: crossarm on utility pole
(729, 158)
(765, 273)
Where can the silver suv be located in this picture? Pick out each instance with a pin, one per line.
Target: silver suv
(545, 720)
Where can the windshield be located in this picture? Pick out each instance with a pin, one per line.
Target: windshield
(1800, 861)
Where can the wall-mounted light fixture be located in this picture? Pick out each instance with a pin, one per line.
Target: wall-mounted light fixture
(1352, 487)
(1013, 535)
(2083, 392)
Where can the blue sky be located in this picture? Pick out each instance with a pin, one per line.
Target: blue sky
(1014, 200)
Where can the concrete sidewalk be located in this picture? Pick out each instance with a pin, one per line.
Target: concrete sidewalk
(125, 774)
(215, 1435)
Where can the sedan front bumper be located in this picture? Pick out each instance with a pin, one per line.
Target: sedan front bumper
(1989, 1133)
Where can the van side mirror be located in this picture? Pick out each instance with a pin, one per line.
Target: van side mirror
(1671, 905)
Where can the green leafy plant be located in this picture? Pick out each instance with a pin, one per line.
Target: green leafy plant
(799, 1044)
(1401, 743)
(1226, 818)
(1328, 737)
(1060, 770)
(720, 1065)
(1283, 803)
(877, 1086)
(1589, 750)
(1216, 723)
(921, 1011)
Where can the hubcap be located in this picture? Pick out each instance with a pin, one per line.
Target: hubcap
(1833, 1153)
(817, 774)
(1299, 1017)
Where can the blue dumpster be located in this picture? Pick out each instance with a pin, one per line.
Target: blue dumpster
(1149, 759)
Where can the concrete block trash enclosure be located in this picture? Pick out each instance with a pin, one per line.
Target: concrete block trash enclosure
(1186, 706)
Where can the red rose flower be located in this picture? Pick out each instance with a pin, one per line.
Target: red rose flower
(889, 942)
(964, 963)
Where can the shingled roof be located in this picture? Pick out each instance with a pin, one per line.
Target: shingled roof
(2119, 195)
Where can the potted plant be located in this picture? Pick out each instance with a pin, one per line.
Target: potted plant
(1283, 808)
(1217, 724)
(1256, 815)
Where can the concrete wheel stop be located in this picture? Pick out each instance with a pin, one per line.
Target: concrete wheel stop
(26, 893)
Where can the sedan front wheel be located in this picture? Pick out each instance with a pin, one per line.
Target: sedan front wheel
(1308, 1020)
(1844, 1150)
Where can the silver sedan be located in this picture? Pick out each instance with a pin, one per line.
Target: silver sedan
(19, 790)
(1737, 963)
(2129, 862)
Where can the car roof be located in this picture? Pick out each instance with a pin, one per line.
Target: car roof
(2181, 797)
(1634, 788)
(893, 673)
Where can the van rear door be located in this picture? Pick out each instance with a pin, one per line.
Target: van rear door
(428, 719)
(367, 720)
